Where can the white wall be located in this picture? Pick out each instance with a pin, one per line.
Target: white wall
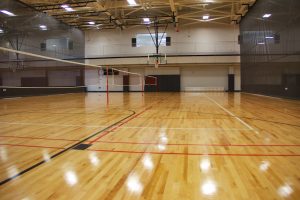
(196, 76)
(135, 81)
(209, 76)
(204, 39)
(237, 78)
(200, 39)
(96, 81)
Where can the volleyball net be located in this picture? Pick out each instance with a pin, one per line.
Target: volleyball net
(26, 73)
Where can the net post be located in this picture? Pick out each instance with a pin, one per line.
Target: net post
(142, 85)
(107, 94)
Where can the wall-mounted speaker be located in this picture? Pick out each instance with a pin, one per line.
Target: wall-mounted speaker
(168, 41)
(133, 42)
(43, 46)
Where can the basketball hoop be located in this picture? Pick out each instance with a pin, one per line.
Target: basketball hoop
(157, 59)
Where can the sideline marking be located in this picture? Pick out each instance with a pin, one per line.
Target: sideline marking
(231, 114)
(204, 145)
(189, 154)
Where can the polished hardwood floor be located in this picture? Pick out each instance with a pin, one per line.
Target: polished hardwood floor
(152, 146)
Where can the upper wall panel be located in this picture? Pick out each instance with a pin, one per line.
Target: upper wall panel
(207, 39)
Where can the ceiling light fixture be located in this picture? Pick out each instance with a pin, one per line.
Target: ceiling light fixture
(1, 31)
(205, 17)
(131, 2)
(8, 13)
(91, 23)
(146, 20)
(43, 27)
(67, 8)
(267, 15)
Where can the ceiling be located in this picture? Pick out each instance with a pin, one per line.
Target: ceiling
(119, 14)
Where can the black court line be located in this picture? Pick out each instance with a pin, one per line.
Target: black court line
(63, 151)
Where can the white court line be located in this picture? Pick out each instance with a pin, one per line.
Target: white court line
(12, 98)
(125, 127)
(260, 95)
(231, 114)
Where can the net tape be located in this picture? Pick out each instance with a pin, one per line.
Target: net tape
(140, 78)
(47, 58)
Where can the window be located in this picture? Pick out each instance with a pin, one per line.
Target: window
(146, 39)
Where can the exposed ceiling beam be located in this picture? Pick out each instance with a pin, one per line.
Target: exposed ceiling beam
(174, 11)
(118, 13)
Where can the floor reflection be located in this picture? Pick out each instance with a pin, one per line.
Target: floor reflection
(209, 187)
(133, 184)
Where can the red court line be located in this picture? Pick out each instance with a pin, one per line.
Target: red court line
(37, 138)
(191, 154)
(36, 146)
(118, 125)
(213, 145)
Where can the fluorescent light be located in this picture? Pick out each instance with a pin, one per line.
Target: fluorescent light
(1, 31)
(64, 6)
(7, 13)
(91, 23)
(269, 37)
(146, 20)
(267, 15)
(69, 9)
(43, 27)
(261, 43)
(131, 2)
(205, 17)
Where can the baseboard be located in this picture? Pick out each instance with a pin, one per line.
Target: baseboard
(112, 91)
(233, 91)
(273, 96)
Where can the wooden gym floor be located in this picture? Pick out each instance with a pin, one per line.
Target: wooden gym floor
(157, 146)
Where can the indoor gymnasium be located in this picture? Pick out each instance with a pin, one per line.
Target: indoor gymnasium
(149, 99)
